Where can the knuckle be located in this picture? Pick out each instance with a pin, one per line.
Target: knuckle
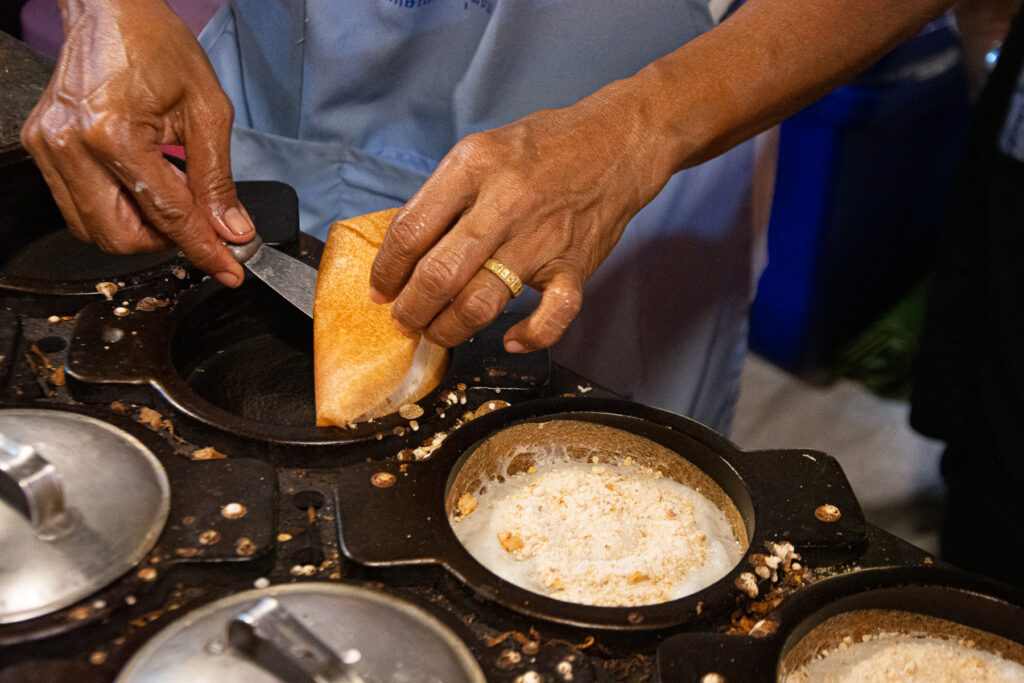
(219, 186)
(168, 215)
(204, 253)
(403, 235)
(221, 111)
(47, 130)
(476, 149)
(437, 274)
(31, 136)
(517, 191)
(105, 133)
(563, 305)
(478, 308)
(567, 301)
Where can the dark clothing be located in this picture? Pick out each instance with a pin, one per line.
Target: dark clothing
(970, 387)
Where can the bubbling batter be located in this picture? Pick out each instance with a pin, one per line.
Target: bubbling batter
(608, 533)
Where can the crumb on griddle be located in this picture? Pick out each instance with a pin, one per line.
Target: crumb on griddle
(154, 420)
(208, 453)
(149, 303)
(107, 289)
(787, 576)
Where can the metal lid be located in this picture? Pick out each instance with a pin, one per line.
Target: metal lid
(81, 503)
(307, 632)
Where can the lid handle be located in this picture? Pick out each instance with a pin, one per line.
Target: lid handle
(276, 641)
(31, 484)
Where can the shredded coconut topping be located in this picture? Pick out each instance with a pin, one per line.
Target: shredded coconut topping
(889, 657)
(600, 534)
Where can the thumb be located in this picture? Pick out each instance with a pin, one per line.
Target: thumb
(558, 305)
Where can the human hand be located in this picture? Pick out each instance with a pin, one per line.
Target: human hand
(129, 79)
(548, 196)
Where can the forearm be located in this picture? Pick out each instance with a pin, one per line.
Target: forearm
(768, 60)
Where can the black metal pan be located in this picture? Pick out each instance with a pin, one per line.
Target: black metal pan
(46, 271)
(776, 494)
(938, 592)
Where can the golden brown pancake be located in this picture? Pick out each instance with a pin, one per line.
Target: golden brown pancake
(361, 361)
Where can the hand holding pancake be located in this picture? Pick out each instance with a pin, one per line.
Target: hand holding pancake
(547, 197)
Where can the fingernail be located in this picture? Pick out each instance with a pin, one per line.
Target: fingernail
(512, 346)
(228, 279)
(376, 297)
(237, 222)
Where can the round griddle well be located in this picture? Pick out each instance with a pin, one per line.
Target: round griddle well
(773, 508)
(237, 365)
(935, 591)
(57, 273)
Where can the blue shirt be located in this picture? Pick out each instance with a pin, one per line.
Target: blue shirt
(354, 103)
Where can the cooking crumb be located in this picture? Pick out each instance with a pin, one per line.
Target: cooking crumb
(154, 420)
(510, 542)
(107, 289)
(150, 303)
(466, 504)
(410, 411)
(208, 453)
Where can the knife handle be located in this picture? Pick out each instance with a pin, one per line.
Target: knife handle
(244, 252)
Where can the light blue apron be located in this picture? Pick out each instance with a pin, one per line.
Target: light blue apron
(354, 102)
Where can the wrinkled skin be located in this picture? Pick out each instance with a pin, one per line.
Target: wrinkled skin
(548, 195)
(120, 91)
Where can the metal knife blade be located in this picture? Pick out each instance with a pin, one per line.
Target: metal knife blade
(288, 276)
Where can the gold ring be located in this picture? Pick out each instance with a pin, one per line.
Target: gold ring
(510, 279)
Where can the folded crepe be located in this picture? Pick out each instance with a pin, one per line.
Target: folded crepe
(363, 366)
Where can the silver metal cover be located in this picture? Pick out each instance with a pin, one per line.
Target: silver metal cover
(115, 503)
(377, 636)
